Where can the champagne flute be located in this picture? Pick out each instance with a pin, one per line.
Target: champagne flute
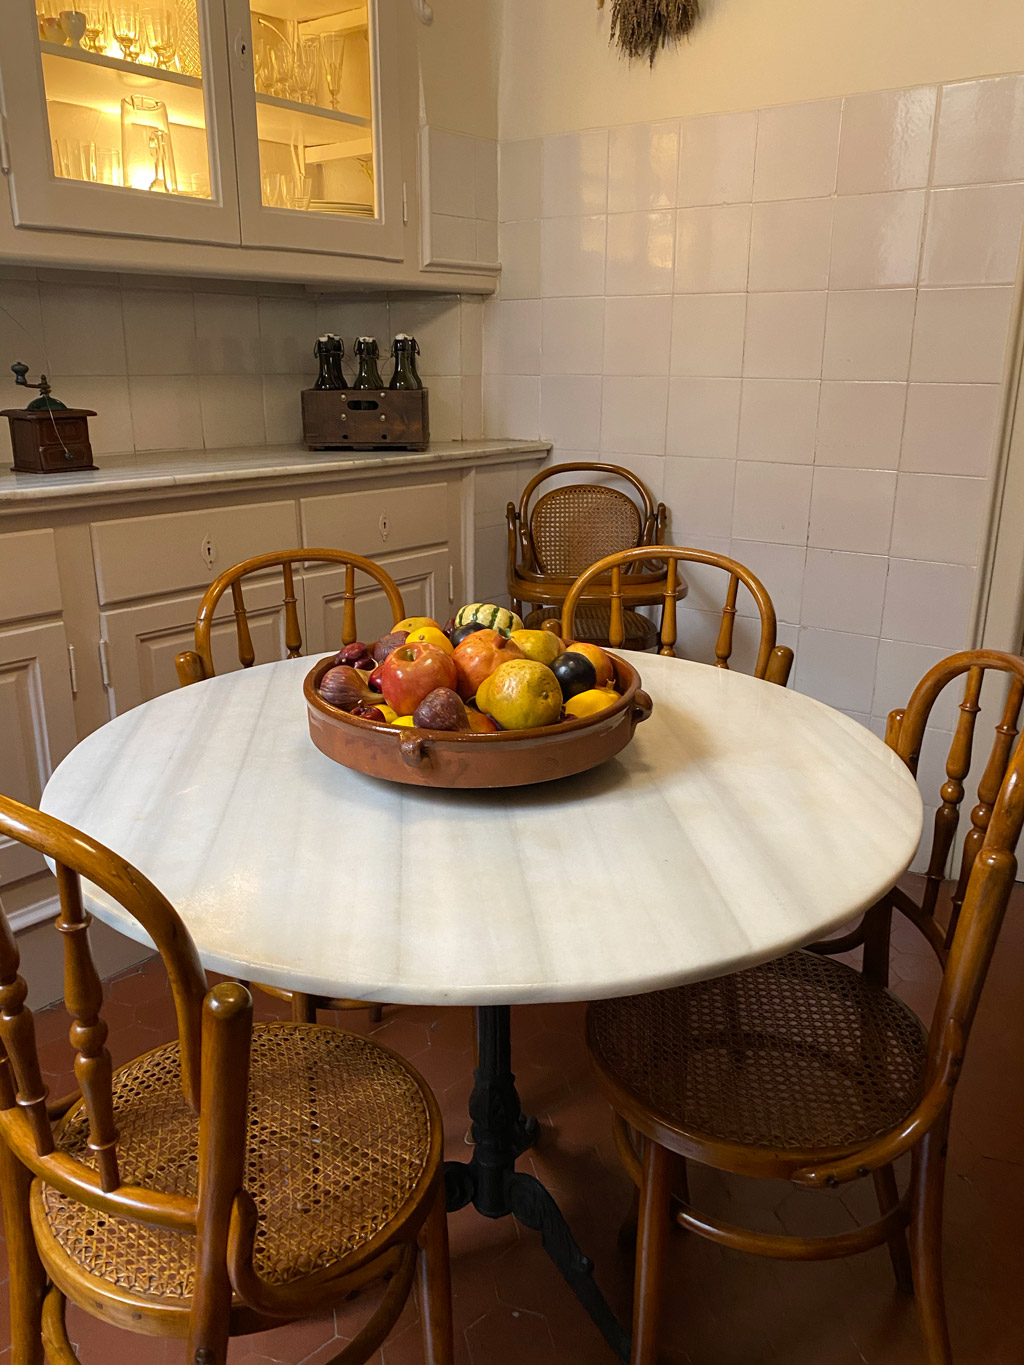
(307, 69)
(161, 23)
(95, 12)
(126, 22)
(332, 50)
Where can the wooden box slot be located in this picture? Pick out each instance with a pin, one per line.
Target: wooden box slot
(365, 419)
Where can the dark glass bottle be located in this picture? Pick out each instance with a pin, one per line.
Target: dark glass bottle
(405, 350)
(367, 354)
(329, 350)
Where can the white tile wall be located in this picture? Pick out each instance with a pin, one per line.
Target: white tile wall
(187, 364)
(835, 280)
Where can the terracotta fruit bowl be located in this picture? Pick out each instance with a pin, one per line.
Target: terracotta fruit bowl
(442, 758)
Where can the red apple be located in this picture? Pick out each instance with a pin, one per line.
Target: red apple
(603, 666)
(478, 656)
(411, 672)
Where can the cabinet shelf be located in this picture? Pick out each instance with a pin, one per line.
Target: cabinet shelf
(327, 133)
(100, 59)
(76, 77)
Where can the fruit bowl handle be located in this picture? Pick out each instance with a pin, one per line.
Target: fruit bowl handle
(413, 750)
(642, 706)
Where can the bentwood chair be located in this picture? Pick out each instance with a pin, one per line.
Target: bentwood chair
(808, 1070)
(565, 530)
(196, 665)
(236, 1179)
(773, 661)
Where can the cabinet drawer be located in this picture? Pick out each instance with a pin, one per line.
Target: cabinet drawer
(29, 585)
(147, 556)
(379, 521)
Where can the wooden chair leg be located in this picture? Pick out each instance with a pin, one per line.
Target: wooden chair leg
(887, 1192)
(435, 1284)
(376, 1014)
(27, 1285)
(303, 1008)
(59, 1350)
(653, 1234)
(926, 1244)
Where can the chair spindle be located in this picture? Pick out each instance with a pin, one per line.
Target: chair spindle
(723, 648)
(83, 996)
(18, 1036)
(668, 611)
(292, 630)
(348, 618)
(947, 817)
(616, 623)
(246, 653)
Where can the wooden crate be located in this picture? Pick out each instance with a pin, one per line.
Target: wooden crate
(365, 419)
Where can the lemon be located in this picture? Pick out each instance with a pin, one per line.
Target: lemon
(386, 711)
(401, 720)
(481, 693)
(542, 645)
(430, 635)
(523, 694)
(589, 703)
(414, 623)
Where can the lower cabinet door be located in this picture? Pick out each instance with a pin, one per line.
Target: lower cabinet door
(37, 725)
(422, 578)
(141, 642)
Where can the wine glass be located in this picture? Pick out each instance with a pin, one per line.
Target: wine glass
(161, 24)
(332, 50)
(126, 23)
(95, 12)
(307, 69)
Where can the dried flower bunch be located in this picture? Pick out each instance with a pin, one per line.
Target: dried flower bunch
(642, 27)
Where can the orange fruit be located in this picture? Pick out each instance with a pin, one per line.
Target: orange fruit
(603, 666)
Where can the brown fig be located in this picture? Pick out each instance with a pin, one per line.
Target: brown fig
(442, 709)
(386, 644)
(344, 688)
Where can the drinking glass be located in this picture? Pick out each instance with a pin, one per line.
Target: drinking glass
(108, 166)
(161, 26)
(126, 22)
(72, 21)
(95, 12)
(298, 190)
(307, 69)
(332, 50)
(273, 190)
(87, 162)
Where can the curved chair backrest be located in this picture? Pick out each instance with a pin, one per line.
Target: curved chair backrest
(571, 526)
(988, 867)
(25, 1117)
(773, 661)
(195, 665)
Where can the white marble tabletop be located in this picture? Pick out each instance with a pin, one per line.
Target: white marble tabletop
(742, 821)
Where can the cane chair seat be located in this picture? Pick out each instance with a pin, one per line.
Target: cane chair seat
(797, 1055)
(338, 1143)
(593, 623)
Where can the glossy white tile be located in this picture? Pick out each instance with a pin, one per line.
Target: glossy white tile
(981, 132)
(486, 185)
(453, 239)
(703, 417)
(974, 235)
(784, 336)
(844, 591)
(573, 256)
(519, 180)
(860, 425)
(772, 502)
(471, 323)
(436, 325)
(511, 404)
(780, 568)
(519, 248)
(288, 329)
(570, 411)
(951, 428)
(83, 329)
(778, 420)
(165, 412)
(789, 244)
(574, 174)
(110, 431)
(21, 326)
(512, 336)
(573, 336)
(452, 173)
(851, 509)
(634, 413)
(836, 668)
(643, 161)
(938, 517)
(232, 410)
(640, 253)
(160, 332)
(700, 494)
(928, 604)
(228, 333)
(876, 240)
(712, 249)
(868, 334)
(472, 408)
(797, 150)
(637, 334)
(445, 406)
(716, 159)
(960, 335)
(886, 141)
(707, 333)
(901, 666)
(282, 412)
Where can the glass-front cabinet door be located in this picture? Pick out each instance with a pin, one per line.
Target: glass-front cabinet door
(316, 142)
(118, 117)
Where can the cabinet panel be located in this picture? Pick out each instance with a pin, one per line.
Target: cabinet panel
(29, 585)
(143, 641)
(140, 557)
(110, 141)
(37, 726)
(422, 579)
(381, 521)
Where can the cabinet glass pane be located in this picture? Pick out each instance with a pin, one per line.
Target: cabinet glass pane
(124, 94)
(312, 71)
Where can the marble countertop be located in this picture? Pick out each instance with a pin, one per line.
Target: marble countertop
(743, 820)
(177, 469)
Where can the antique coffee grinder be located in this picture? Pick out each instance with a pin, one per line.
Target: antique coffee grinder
(47, 436)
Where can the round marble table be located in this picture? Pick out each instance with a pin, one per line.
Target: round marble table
(743, 820)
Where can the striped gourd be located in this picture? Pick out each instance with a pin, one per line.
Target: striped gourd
(487, 614)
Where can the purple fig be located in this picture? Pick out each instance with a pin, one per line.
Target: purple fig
(442, 709)
(343, 687)
(386, 644)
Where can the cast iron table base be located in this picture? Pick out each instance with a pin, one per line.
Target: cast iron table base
(491, 1183)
